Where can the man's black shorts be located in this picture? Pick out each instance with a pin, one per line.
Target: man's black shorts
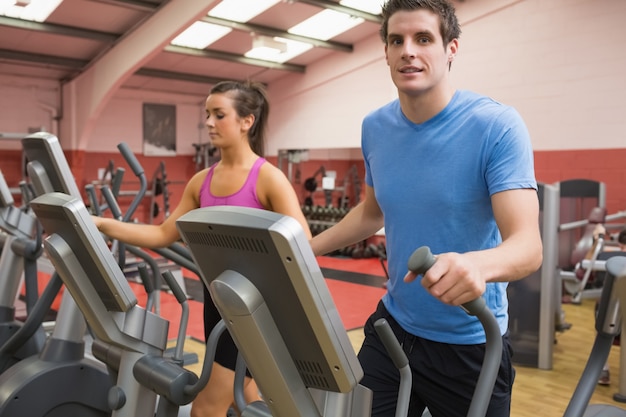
(444, 375)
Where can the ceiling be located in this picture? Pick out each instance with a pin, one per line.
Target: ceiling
(79, 32)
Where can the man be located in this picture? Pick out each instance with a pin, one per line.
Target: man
(451, 170)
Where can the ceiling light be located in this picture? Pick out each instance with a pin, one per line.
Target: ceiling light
(34, 10)
(269, 51)
(200, 35)
(369, 6)
(260, 41)
(325, 25)
(241, 10)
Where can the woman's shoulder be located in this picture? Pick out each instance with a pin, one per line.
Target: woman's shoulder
(268, 169)
(196, 181)
(271, 176)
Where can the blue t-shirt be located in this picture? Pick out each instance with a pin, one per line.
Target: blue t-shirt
(434, 182)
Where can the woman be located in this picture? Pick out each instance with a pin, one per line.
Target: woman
(236, 118)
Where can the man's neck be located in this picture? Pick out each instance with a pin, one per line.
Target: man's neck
(423, 107)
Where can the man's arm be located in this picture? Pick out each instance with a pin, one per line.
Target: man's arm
(521, 251)
(458, 278)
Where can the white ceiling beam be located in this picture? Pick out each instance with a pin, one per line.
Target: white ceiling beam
(85, 96)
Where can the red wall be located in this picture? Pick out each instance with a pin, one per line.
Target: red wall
(11, 166)
(605, 165)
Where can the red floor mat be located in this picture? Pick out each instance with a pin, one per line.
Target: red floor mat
(370, 266)
(354, 302)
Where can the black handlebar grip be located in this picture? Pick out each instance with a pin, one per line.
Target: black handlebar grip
(394, 349)
(145, 277)
(178, 292)
(422, 259)
(111, 202)
(130, 158)
(93, 200)
(116, 181)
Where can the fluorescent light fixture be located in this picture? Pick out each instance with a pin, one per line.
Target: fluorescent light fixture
(325, 25)
(200, 35)
(369, 6)
(261, 41)
(277, 50)
(34, 10)
(241, 10)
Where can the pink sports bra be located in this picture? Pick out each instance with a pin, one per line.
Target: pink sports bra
(245, 197)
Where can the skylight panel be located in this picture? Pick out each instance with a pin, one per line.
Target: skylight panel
(325, 25)
(34, 10)
(200, 35)
(241, 10)
(369, 6)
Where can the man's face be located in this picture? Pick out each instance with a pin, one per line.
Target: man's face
(417, 58)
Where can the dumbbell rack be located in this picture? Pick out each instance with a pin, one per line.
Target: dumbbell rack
(320, 218)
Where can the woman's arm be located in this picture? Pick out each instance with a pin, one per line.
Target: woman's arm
(151, 235)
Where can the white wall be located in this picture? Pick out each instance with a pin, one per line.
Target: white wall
(323, 107)
(122, 120)
(27, 103)
(561, 63)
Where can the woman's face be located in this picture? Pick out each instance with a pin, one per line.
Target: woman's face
(222, 121)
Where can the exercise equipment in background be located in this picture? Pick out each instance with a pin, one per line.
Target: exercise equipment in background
(312, 186)
(159, 188)
(608, 326)
(156, 190)
(21, 248)
(61, 380)
(205, 156)
(348, 191)
(535, 301)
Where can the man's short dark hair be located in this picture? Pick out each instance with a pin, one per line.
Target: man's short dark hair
(448, 23)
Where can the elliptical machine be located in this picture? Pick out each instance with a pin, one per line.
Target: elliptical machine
(21, 249)
(61, 380)
(608, 326)
(129, 339)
